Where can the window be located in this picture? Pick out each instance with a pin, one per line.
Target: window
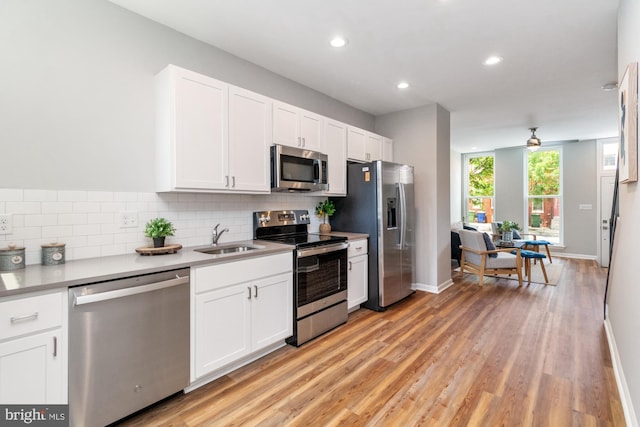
(609, 156)
(479, 186)
(544, 194)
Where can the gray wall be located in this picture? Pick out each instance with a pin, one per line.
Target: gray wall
(421, 139)
(581, 232)
(509, 185)
(579, 188)
(624, 292)
(77, 101)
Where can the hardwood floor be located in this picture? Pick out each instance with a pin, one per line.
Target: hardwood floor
(492, 356)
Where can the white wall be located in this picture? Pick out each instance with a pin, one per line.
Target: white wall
(421, 139)
(624, 289)
(455, 175)
(77, 100)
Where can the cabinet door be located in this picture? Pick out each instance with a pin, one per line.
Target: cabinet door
(356, 142)
(336, 149)
(31, 369)
(222, 320)
(387, 149)
(201, 131)
(311, 131)
(285, 125)
(272, 310)
(250, 130)
(374, 147)
(357, 280)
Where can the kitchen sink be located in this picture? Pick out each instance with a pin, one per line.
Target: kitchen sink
(221, 250)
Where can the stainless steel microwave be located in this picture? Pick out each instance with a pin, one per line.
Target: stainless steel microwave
(295, 169)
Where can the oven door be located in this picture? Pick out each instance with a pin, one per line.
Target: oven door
(321, 278)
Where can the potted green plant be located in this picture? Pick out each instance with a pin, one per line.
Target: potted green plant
(158, 229)
(324, 210)
(506, 228)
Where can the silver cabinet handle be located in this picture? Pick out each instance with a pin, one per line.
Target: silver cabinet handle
(55, 346)
(304, 142)
(249, 289)
(226, 180)
(233, 182)
(125, 292)
(350, 266)
(16, 319)
(255, 288)
(299, 142)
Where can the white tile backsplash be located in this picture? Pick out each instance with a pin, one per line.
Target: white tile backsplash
(87, 221)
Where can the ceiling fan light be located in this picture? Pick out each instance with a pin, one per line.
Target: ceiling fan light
(533, 143)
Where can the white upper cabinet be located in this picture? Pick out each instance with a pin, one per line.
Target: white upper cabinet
(363, 146)
(194, 148)
(387, 149)
(295, 127)
(336, 150)
(374, 147)
(250, 130)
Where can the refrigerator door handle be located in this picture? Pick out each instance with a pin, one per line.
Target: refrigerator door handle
(403, 215)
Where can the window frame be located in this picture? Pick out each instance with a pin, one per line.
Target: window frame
(465, 183)
(559, 196)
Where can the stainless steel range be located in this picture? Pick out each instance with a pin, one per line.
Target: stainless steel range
(320, 273)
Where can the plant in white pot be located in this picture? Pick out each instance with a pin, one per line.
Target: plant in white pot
(158, 229)
(506, 228)
(324, 210)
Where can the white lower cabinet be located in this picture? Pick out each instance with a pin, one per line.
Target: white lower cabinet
(239, 308)
(357, 273)
(33, 349)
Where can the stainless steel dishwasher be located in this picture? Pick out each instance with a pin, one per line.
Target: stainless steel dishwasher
(128, 345)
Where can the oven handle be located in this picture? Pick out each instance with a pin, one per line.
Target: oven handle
(322, 250)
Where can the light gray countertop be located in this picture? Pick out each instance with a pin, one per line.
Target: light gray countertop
(38, 277)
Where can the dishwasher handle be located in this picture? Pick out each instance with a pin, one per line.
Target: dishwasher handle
(125, 292)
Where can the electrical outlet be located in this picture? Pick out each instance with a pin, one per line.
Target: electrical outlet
(6, 224)
(128, 219)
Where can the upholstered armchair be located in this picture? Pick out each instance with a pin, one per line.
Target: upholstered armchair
(479, 256)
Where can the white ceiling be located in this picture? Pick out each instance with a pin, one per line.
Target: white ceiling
(557, 55)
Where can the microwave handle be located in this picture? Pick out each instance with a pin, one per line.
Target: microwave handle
(317, 171)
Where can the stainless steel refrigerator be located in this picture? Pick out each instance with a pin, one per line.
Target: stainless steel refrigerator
(380, 202)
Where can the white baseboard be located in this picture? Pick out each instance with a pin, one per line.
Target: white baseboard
(576, 256)
(623, 388)
(434, 289)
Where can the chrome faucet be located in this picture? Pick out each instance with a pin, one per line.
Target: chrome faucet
(216, 234)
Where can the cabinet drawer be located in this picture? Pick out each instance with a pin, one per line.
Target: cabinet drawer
(221, 275)
(30, 314)
(357, 247)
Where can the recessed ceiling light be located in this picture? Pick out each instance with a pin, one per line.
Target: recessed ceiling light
(493, 60)
(338, 42)
(403, 85)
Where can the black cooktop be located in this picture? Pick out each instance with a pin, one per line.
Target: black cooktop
(305, 240)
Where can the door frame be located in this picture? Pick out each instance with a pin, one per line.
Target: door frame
(600, 174)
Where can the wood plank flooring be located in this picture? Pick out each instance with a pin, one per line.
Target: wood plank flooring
(492, 356)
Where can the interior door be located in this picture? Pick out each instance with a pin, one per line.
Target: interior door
(606, 201)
